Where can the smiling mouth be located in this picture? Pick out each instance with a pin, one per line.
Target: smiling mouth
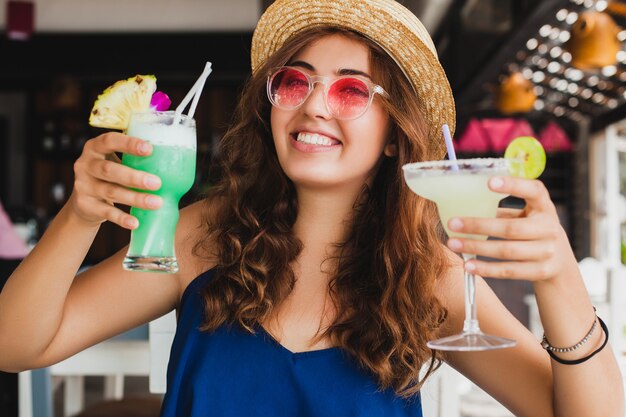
(314, 139)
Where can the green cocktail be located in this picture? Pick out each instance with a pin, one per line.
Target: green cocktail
(173, 159)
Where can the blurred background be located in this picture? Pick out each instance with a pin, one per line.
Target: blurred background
(553, 69)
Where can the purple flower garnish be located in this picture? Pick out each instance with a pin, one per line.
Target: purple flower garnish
(160, 101)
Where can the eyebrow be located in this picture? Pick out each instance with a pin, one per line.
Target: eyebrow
(342, 71)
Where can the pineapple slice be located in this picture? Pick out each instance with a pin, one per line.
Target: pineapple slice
(114, 106)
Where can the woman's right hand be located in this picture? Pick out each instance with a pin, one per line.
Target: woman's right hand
(101, 181)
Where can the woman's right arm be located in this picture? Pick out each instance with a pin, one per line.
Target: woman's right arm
(46, 312)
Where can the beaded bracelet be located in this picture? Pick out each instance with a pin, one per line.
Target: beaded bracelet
(586, 358)
(547, 346)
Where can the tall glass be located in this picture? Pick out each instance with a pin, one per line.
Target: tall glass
(459, 188)
(173, 159)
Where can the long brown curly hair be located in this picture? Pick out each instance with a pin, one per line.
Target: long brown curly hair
(388, 265)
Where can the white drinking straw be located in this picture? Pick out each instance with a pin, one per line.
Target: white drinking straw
(449, 145)
(196, 97)
(193, 92)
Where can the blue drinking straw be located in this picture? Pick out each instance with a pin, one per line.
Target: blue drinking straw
(449, 145)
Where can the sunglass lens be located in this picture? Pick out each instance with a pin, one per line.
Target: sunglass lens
(289, 88)
(348, 97)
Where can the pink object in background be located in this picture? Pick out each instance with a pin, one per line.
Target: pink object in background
(553, 138)
(473, 139)
(492, 135)
(11, 245)
(502, 131)
(20, 19)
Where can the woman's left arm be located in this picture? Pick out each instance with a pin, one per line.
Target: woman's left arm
(535, 247)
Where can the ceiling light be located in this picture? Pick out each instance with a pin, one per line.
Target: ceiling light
(538, 76)
(609, 70)
(593, 43)
(571, 18)
(592, 81)
(512, 67)
(621, 35)
(573, 102)
(515, 94)
(601, 5)
(554, 33)
(561, 15)
(531, 44)
(556, 52)
(597, 98)
(564, 36)
(603, 85)
(572, 88)
(574, 74)
(561, 85)
(554, 67)
(545, 30)
(567, 57)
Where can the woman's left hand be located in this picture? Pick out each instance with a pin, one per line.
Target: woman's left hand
(534, 246)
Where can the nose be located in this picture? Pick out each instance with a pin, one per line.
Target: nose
(315, 104)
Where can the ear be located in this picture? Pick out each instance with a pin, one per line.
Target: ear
(391, 150)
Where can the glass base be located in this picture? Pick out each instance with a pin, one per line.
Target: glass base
(151, 264)
(471, 342)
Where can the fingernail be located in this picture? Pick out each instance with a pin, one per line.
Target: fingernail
(131, 222)
(153, 201)
(455, 224)
(470, 267)
(455, 244)
(144, 147)
(496, 182)
(151, 181)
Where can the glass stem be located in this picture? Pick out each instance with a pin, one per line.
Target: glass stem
(470, 325)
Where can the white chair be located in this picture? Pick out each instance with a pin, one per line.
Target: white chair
(440, 393)
(161, 337)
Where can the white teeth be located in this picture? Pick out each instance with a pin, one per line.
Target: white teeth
(314, 139)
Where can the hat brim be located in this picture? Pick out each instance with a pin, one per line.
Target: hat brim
(388, 24)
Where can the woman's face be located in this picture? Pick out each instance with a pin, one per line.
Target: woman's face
(351, 149)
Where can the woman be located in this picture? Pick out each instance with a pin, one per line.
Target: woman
(310, 277)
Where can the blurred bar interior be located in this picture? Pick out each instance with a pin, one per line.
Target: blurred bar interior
(553, 69)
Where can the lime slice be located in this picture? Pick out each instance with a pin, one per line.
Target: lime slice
(114, 106)
(526, 157)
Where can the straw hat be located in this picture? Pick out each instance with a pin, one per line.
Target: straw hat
(389, 24)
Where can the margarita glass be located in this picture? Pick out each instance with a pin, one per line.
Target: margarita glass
(173, 159)
(459, 189)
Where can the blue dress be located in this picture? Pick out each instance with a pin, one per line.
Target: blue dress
(232, 373)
